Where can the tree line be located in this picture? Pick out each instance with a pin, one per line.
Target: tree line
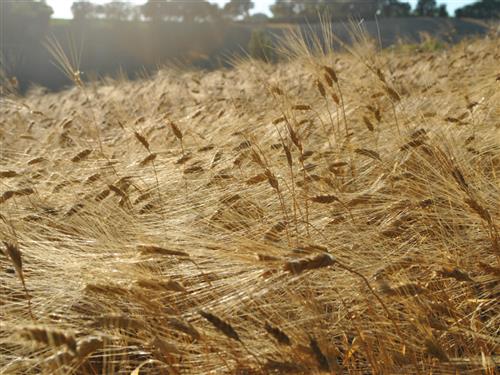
(297, 10)
(36, 13)
(163, 10)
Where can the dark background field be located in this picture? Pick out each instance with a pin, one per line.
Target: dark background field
(102, 47)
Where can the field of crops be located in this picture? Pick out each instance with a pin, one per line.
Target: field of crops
(336, 213)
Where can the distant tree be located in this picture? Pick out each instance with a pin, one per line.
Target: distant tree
(337, 9)
(311, 8)
(213, 12)
(26, 19)
(197, 10)
(366, 9)
(258, 18)
(283, 9)
(442, 11)
(24, 25)
(301, 8)
(344, 8)
(482, 9)
(136, 13)
(426, 8)
(155, 10)
(237, 8)
(395, 8)
(117, 11)
(180, 10)
(83, 10)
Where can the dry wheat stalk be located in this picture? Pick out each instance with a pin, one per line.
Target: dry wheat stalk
(369, 153)
(220, 325)
(49, 337)
(256, 179)
(153, 249)
(143, 141)
(318, 355)
(8, 174)
(319, 261)
(324, 199)
(122, 322)
(157, 285)
(278, 334)
(14, 254)
(81, 155)
(148, 159)
(184, 327)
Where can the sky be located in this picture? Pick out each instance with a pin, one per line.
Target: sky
(62, 8)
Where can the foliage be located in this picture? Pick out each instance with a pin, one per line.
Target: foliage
(25, 19)
(395, 8)
(311, 9)
(238, 8)
(486, 9)
(117, 11)
(258, 18)
(284, 9)
(83, 10)
(426, 8)
(442, 11)
(113, 11)
(429, 8)
(24, 25)
(181, 10)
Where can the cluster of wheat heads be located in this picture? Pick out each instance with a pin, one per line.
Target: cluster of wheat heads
(337, 213)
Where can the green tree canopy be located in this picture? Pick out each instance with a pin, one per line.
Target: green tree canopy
(442, 11)
(197, 10)
(180, 10)
(283, 9)
(26, 19)
(426, 8)
(117, 11)
(83, 10)
(258, 18)
(338, 9)
(157, 10)
(25, 25)
(237, 8)
(394, 8)
(481, 9)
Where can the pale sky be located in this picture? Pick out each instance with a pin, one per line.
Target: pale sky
(62, 8)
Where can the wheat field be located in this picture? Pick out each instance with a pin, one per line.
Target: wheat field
(334, 213)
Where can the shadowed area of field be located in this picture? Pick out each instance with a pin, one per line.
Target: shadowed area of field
(136, 48)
